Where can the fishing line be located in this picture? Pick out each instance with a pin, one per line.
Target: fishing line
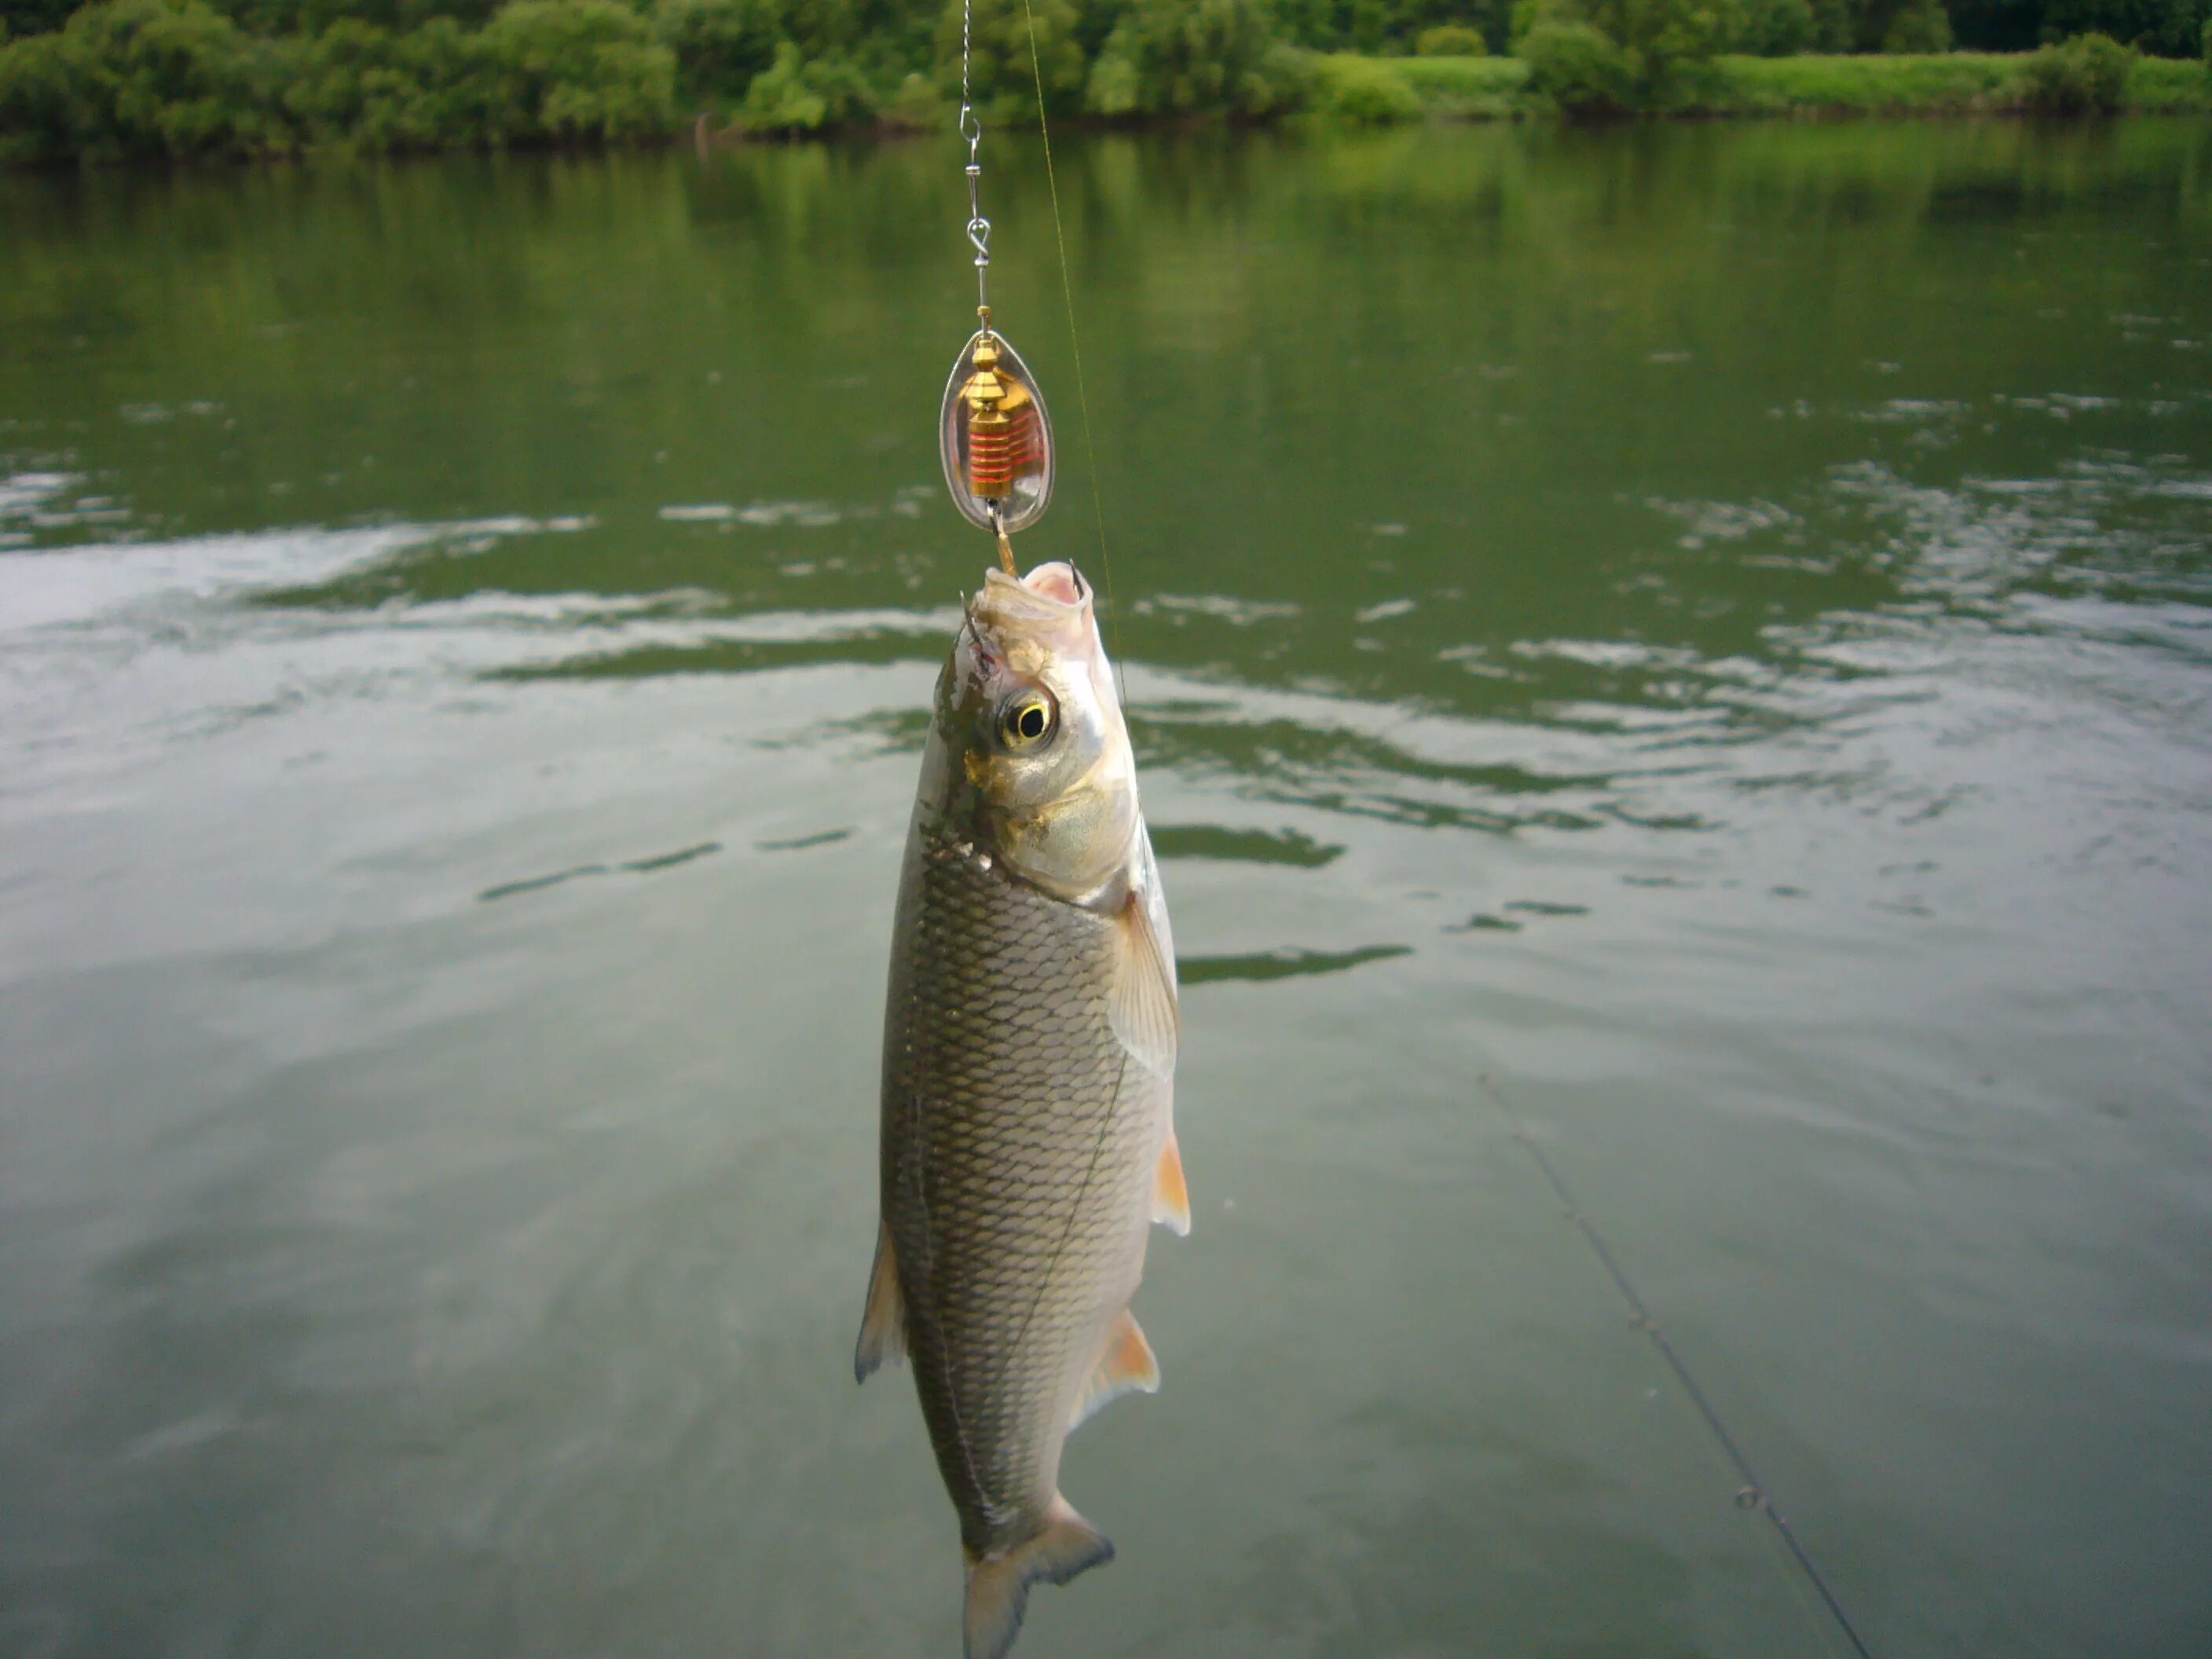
(1753, 1494)
(1075, 350)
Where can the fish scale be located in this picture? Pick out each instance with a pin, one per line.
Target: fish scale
(1018, 1176)
(1029, 1043)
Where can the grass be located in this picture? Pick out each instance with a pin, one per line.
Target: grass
(1467, 88)
(1380, 89)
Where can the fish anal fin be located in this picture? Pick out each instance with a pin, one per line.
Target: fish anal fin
(998, 1586)
(883, 1327)
(1127, 1366)
(1141, 1005)
(1170, 1197)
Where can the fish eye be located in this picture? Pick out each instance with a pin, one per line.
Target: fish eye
(1027, 718)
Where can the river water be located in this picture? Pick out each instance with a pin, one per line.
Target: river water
(1696, 640)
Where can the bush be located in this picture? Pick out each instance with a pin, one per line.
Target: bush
(1450, 41)
(801, 94)
(577, 69)
(20, 17)
(2087, 76)
(1579, 67)
(1776, 28)
(1364, 92)
(1002, 77)
(1919, 28)
(2171, 29)
(918, 107)
(1651, 42)
(1176, 55)
(720, 46)
(142, 77)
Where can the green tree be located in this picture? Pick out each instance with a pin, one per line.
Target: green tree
(720, 46)
(570, 70)
(2167, 29)
(1002, 79)
(21, 17)
(1776, 28)
(1655, 41)
(1177, 56)
(1920, 25)
(1580, 67)
(2085, 75)
(797, 93)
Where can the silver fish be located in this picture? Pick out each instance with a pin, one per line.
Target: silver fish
(1028, 1059)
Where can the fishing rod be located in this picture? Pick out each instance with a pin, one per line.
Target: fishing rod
(1755, 1493)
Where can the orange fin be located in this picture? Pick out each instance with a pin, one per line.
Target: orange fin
(1140, 1004)
(883, 1327)
(998, 1587)
(1170, 1198)
(1128, 1366)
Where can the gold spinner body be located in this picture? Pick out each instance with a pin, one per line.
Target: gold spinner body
(995, 436)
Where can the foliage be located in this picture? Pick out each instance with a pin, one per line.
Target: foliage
(1639, 55)
(1921, 26)
(803, 94)
(1775, 28)
(241, 77)
(917, 105)
(140, 77)
(720, 46)
(1477, 88)
(1002, 75)
(1385, 28)
(1450, 41)
(20, 17)
(1579, 67)
(1364, 92)
(577, 69)
(2171, 29)
(2085, 75)
(1177, 57)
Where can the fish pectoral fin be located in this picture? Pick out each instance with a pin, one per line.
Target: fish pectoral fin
(1140, 1004)
(883, 1327)
(1170, 1198)
(998, 1586)
(1128, 1366)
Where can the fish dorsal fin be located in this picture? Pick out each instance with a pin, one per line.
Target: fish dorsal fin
(1141, 1005)
(1126, 1367)
(883, 1327)
(1170, 1198)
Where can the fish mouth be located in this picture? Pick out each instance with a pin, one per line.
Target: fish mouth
(1051, 596)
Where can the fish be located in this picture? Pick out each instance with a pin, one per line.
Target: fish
(1030, 1031)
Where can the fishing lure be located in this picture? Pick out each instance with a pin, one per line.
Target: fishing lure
(994, 433)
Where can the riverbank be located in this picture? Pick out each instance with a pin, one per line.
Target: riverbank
(1947, 83)
(175, 78)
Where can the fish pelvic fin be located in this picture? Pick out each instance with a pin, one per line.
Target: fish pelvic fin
(1170, 1197)
(1128, 1366)
(998, 1585)
(1140, 1003)
(883, 1327)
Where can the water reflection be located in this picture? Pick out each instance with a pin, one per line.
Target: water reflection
(1711, 624)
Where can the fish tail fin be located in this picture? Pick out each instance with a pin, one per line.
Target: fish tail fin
(998, 1586)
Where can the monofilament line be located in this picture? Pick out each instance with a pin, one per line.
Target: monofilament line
(1075, 348)
(1753, 1493)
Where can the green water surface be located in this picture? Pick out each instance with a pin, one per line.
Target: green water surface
(1700, 638)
